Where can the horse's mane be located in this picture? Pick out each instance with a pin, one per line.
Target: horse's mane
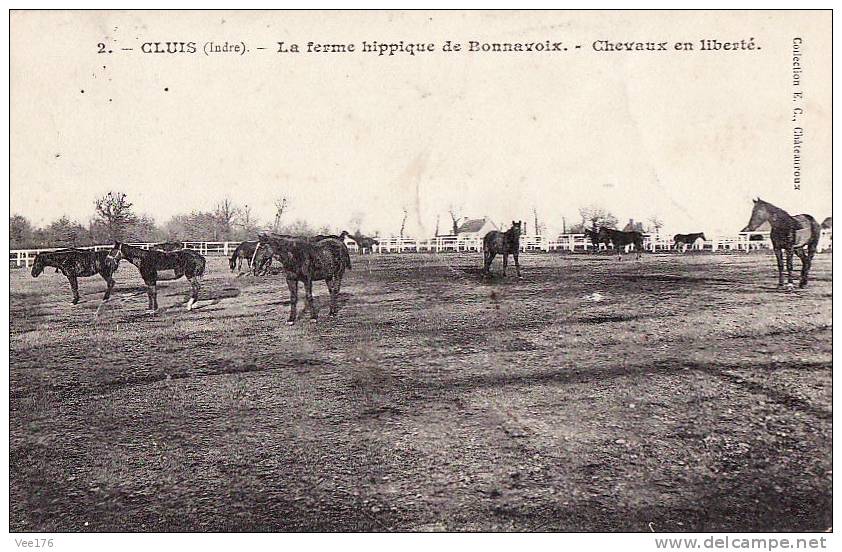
(773, 208)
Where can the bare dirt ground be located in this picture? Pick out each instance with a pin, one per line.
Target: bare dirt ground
(694, 396)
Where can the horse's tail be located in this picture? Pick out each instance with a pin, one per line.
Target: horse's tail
(346, 257)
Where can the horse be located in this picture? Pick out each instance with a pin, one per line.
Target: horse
(364, 242)
(503, 243)
(621, 239)
(74, 263)
(248, 251)
(168, 246)
(687, 240)
(307, 261)
(799, 234)
(184, 262)
(341, 237)
(595, 239)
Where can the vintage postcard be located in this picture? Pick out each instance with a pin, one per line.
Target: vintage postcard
(421, 271)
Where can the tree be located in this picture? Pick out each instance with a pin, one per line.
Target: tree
(225, 213)
(114, 212)
(655, 224)
(595, 215)
(21, 233)
(438, 220)
(455, 216)
(280, 207)
(65, 233)
(246, 224)
(403, 222)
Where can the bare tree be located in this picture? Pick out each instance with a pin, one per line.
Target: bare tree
(114, 212)
(246, 223)
(403, 222)
(225, 212)
(280, 207)
(597, 215)
(438, 219)
(455, 216)
(655, 223)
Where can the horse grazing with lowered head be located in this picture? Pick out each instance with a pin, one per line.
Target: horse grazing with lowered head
(799, 234)
(504, 243)
(74, 263)
(307, 261)
(148, 262)
(687, 240)
(248, 251)
(622, 239)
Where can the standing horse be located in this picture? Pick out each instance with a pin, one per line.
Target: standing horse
(184, 262)
(77, 262)
(595, 239)
(364, 242)
(248, 252)
(687, 240)
(621, 239)
(799, 234)
(503, 243)
(306, 261)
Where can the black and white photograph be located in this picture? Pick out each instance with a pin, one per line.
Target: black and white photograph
(421, 271)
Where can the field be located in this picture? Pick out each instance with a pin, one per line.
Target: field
(678, 393)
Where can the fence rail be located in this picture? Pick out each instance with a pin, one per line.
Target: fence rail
(566, 242)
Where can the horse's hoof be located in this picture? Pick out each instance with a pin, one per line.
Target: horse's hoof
(290, 322)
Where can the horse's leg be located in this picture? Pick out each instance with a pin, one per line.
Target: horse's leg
(789, 266)
(110, 282)
(308, 298)
(333, 289)
(805, 266)
(152, 292)
(292, 282)
(194, 292)
(74, 287)
(488, 260)
(779, 256)
(517, 262)
(505, 263)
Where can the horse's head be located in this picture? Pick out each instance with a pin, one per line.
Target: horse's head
(344, 235)
(38, 265)
(517, 227)
(759, 215)
(116, 254)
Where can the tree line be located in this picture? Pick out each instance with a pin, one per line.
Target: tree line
(114, 218)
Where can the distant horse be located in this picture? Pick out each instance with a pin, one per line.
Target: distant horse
(306, 261)
(594, 236)
(621, 239)
(184, 262)
(364, 242)
(74, 263)
(503, 243)
(799, 233)
(168, 246)
(687, 240)
(248, 252)
(341, 237)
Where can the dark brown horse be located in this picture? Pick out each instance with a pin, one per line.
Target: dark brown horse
(799, 234)
(687, 240)
(622, 239)
(504, 243)
(184, 262)
(364, 243)
(74, 263)
(594, 237)
(248, 251)
(306, 261)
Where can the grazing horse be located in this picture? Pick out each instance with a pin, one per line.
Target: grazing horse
(248, 252)
(503, 243)
(168, 246)
(306, 261)
(687, 240)
(74, 263)
(364, 242)
(799, 233)
(184, 262)
(621, 239)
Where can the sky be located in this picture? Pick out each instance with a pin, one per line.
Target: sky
(689, 137)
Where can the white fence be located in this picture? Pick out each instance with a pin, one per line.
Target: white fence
(571, 243)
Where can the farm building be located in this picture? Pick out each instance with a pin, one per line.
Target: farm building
(476, 228)
(633, 226)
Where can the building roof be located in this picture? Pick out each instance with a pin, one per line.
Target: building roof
(633, 226)
(473, 225)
